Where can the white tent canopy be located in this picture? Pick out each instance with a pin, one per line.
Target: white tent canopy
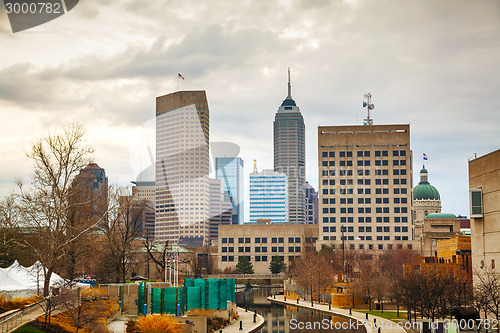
(20, 281)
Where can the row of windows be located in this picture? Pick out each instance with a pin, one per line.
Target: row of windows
(274, 249)
(365, 219)
(369, 238)
(370, 246)
(256, 258)
(364, 210)
(343, 191)
(365, 229)
(246, 240)
(364, 153)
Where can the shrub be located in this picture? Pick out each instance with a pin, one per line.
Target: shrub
(131, 326)
(158, 324)
(17, 303)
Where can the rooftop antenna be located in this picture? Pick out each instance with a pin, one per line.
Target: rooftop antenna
(369, 106)
(289, 85)
(255, 166)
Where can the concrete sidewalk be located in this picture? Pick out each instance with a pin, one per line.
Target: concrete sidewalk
(385, 325)
(247, 323)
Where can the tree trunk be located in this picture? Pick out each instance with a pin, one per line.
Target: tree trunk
(46, 283)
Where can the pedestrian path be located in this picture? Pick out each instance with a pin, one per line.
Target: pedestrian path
(247, 323)
(374, 324)
(17, 319)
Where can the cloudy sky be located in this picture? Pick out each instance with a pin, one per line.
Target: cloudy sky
(433, 64)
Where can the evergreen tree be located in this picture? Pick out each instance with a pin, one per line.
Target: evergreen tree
(277, 265)
(244, 265)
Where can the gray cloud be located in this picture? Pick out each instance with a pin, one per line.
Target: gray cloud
(433, 64)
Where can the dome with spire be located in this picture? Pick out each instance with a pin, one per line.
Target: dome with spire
(424, 190)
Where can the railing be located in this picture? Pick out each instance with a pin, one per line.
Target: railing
(11, 321)
(245, 276)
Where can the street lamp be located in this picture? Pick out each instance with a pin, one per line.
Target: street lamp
(342, 229)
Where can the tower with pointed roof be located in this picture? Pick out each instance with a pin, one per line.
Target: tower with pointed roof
(290, 155)
(426, 200)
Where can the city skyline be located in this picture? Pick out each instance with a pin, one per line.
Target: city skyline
(428, 65)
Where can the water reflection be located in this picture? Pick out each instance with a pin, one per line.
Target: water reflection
(281, 319)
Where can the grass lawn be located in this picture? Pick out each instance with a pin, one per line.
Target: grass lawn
(391, 315)
(28, 329)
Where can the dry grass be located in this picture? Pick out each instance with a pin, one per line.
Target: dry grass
(158, 324)
(17, 303)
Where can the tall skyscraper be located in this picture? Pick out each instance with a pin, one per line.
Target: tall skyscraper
(365, 178)
(230, 171)
(311, 205)
(182, 168)
(290, 154)
(90, 196)
(269, 196)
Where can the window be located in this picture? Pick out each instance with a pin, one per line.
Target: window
(230, 240)
(324, 154)
(360, 154)
(395, 153)
(247, 240)
(257, 240)
(281, 240)
(476, 203)
(331, 154)
(263, 240)
(241, 240)
(264, 249)
(275, 239)
(224, 240)
(274, 249)
(224, 249)
(324, 163)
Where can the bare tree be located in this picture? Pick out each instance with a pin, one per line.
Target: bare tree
(84, 310)
(120, 246)
(9, 230)
(487, 292)
(45, 205)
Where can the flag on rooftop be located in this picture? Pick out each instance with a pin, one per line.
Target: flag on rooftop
(180, 76)
(425, 157)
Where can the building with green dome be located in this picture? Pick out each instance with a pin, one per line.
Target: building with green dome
(426, 200)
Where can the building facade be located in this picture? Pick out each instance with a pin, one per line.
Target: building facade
(426, 200)
(311, 205)
(261, 242)
(484, 187)
(269, 196)
(89, 197)
(290, 155)
(437, 227)
(365, 179)
(230, 171)
(182, 168)
(221, 211)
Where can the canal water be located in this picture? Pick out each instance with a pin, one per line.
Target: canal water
(286, 319)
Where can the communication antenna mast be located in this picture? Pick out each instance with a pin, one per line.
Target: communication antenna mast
(369, 106)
